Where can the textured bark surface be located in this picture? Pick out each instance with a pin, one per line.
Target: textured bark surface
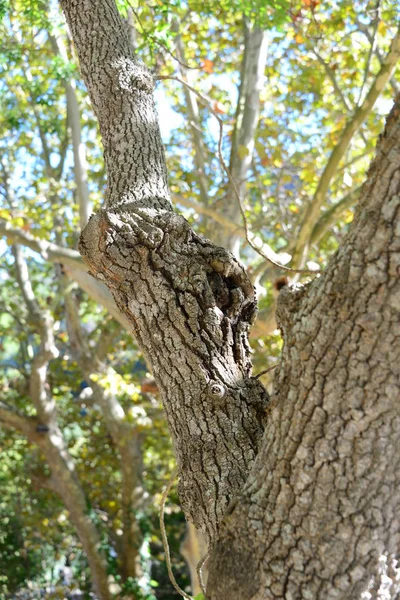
(319, 515)
(190, 304)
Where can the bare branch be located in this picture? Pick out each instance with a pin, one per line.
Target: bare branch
(194, 122)
(47, 250)
(246, 123)
(44, 404)
(73, 264)
(78, 147)
(332, 214)
(10, 417)
(372, 49)
(361, 113)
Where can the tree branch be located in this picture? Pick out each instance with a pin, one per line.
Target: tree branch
(243, 139)
(361, 113)
(78, 147)
(194, 123)
(10, 417)
(73, 264)
(44, 404)
(330, 216)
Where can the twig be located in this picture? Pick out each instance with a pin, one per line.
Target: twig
(165, 539)
(199, 568)
(265, 371)
(371, 51)
(231, 180)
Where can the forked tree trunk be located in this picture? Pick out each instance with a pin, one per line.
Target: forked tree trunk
(318, 516)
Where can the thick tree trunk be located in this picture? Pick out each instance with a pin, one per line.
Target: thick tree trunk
(319, 515)
(189, 303)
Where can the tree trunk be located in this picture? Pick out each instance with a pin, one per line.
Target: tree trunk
(190, 304)
(317, 518)
(319, 515)
(68, 488)
(244, 134)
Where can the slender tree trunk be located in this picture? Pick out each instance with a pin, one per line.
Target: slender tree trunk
(247, 113)
(48, 436)
(68, 488)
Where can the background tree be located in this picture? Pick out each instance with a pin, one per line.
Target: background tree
(317, 104)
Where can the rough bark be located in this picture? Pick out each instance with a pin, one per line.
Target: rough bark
(190, 303)
(319, 515)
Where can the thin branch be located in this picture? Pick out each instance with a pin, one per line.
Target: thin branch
(199, 570)
(371, 51)
(165, 538)
(47, 250)
(265, 371)
(45, 405)
(195, 129)
(266, 254)
(361, 113)
(330, 216)
(78, 147)
(246, 120)
(331, 74)
(148, 35)
(364, 29)
(10, 417)
(73, 264)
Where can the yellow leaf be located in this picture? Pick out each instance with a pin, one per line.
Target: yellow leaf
(243, 151)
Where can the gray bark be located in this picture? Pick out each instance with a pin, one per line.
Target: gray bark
(190, 304)
(319, 515)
